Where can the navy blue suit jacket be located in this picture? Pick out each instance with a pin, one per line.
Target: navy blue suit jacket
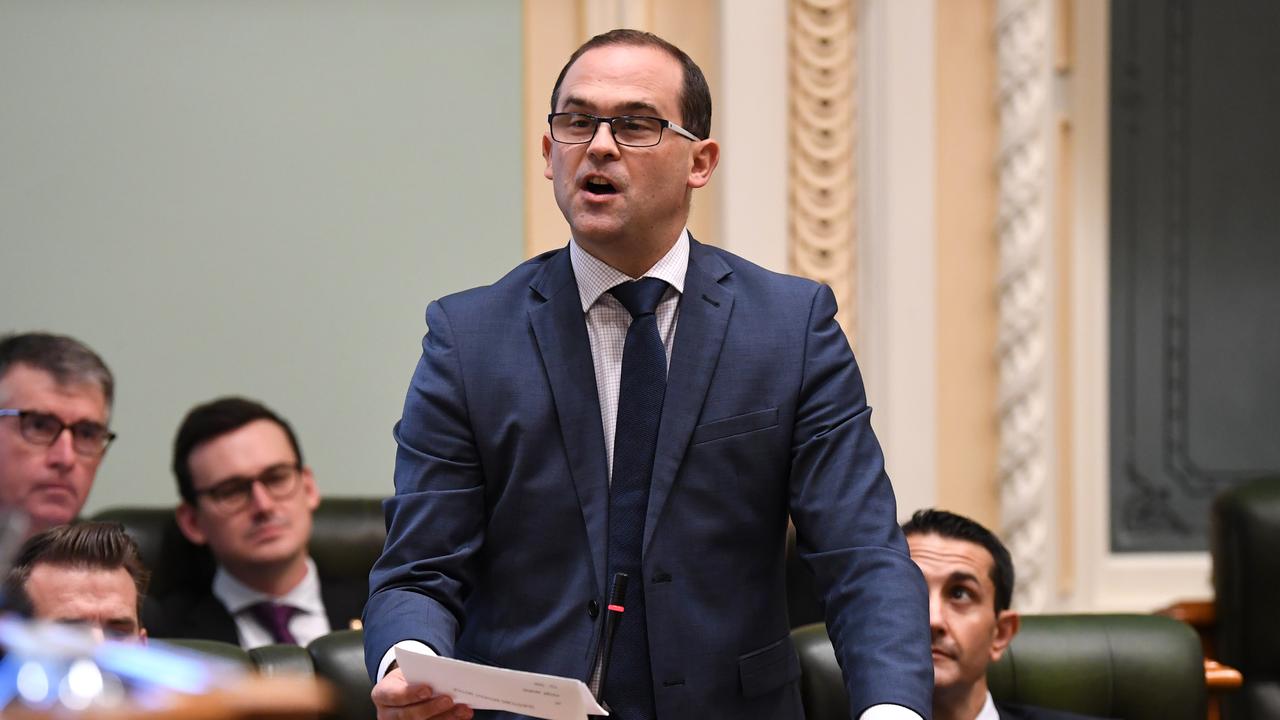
(497, 531)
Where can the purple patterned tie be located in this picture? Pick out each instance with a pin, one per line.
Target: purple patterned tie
(275, 618)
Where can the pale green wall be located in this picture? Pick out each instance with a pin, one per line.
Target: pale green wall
(255, 198)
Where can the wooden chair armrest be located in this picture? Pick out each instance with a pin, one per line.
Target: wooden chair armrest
(1220, 678)
(1199, 614)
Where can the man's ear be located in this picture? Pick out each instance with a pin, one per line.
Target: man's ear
(706, 156)
(309, 487)
(546, 155)
(189, 524)
(142, 636)
(1007, 622)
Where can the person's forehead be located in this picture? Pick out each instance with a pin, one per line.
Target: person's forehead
(944, 556)
(31, 388)
(616, 75)
(247, 450)
(63, 591)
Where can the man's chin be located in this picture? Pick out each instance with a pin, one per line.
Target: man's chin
(52, 512)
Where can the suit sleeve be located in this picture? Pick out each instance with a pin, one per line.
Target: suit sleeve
(843, 507)
(435, 520)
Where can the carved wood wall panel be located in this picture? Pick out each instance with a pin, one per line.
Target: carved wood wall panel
(1022, 226)
(822, 120)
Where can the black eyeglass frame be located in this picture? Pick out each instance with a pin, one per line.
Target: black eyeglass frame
(234, 494)
(98, 429)
(663, 124)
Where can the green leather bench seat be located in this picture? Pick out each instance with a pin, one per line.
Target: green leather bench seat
(1135, 667)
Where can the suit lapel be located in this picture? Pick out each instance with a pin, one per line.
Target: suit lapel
(705, 307)
(561, 333)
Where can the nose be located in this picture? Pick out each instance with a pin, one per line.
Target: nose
(61, 454)
(260, 498)
(936, 623)
(602, 144)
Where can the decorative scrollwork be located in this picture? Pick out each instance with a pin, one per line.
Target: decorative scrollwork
(822, 144)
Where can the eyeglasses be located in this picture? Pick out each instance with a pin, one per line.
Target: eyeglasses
(232, 495)
(88, 438)
(573, 128)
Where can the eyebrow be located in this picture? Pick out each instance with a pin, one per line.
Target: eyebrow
(631, 107)
(962, 576)
(249, 478)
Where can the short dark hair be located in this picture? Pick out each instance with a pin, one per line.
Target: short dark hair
(215, 419)
(87, 545)
(931, 521)
(68, 360)
(695, 95)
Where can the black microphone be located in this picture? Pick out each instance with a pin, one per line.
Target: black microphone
(613, 614)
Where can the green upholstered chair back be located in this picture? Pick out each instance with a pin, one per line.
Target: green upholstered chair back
(1132, 667)
(346, 538)
(1135, 667)
(173, 561)
(339, 658)
(1244, 534)
(274, 660)
(225, 651)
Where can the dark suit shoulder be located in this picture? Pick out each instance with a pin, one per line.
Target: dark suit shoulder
(516, 281)
(1010, 711)
(739, 274)
(198, 616)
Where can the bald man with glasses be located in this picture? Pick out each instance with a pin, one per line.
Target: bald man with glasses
(248, 496)
(55, 409)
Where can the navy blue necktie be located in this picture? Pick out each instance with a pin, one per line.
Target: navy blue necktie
(628, 689)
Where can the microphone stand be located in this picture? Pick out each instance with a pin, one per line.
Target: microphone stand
(613, 615)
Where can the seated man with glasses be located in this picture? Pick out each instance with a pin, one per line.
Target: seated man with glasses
(48, 384)
(247, 495)
(88, 573)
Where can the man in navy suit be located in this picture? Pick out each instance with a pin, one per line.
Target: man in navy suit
(501, 539)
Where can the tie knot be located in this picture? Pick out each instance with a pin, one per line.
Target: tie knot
(275, 618)
(640, 297)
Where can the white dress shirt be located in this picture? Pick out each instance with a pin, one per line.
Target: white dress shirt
(608, 320)
(988, 711)
(310, 622)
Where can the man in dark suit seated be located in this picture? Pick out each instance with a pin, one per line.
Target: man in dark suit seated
(88, 573)
(970, 577)
(248, 496)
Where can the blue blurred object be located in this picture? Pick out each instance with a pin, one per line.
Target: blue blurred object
(51, 664)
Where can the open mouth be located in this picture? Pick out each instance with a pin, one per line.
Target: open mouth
(599, 186)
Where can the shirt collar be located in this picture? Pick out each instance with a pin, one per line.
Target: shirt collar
(988, 711)
(236, 596)
(595, 277)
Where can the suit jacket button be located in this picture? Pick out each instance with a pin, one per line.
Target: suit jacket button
(593, 609)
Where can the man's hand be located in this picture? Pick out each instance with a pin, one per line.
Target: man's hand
(397, 699)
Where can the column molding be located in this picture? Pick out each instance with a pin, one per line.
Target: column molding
(897, 280)
(1106, 581)
(1026, 465)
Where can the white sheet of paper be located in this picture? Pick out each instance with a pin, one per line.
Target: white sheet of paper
(484, 687)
